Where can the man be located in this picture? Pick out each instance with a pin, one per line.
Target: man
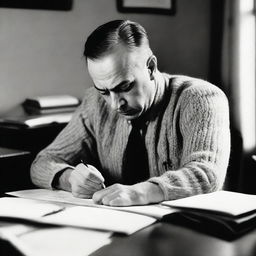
(182, 124)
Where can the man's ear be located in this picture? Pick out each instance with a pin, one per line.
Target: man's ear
(152, 66)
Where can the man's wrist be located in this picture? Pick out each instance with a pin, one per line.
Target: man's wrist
(62, 181)
(155, 193)
(151, 192)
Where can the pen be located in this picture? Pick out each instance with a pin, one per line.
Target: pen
(103, 185)
(84, 163)
(53, 212)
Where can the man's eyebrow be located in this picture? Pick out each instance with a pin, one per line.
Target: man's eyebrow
(98, 88)
(114, 88)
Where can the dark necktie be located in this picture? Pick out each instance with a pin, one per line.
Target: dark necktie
(135, 163)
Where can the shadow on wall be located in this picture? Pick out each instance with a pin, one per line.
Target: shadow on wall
(234, 171)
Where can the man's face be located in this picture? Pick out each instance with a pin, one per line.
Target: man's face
(123, 79)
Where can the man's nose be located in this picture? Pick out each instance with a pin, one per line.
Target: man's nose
(116, 101)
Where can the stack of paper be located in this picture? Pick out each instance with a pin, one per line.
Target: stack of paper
(155, 210)
(38, 241)
(19, 118)
(26, 208)
(51, 104)
(74, 216)
(234, 211)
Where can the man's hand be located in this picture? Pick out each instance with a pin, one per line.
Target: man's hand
(122, 195)
(83, 181)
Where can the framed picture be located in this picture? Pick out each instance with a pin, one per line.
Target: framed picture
(58, 5)
(147, 6)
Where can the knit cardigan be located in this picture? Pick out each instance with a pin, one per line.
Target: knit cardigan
(187, 139)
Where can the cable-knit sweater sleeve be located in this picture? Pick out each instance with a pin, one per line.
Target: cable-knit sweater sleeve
(75, 142)
(202, 120)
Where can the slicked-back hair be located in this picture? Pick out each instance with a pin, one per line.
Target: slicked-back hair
(107, 36)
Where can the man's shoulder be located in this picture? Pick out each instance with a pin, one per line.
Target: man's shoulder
(190, 85)
(92, 104)
(90, 93)
(91, 98)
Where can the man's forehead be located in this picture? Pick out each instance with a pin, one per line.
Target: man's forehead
(110, 62)
(120, 57)
(108, 68)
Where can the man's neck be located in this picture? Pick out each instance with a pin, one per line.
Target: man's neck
(159, 87)
(156, 97)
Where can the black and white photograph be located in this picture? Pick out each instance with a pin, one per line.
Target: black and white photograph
(127, 128)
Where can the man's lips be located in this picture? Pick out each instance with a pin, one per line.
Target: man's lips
(127, 113)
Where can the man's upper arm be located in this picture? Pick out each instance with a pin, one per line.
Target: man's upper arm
(204, 125)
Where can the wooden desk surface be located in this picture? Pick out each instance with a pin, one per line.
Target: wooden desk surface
(164, 239)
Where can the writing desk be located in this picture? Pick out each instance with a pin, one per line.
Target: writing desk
(18, 148)
(162, 239)
(30, 139)
(14, 170)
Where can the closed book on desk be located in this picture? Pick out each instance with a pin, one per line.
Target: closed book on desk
(230, 212)
(52, 101)
(50, 104)
(43, 111)
(19, 118)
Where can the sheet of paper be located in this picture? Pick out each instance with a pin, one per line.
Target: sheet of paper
(26, 208)
(231, 203)
(100, 219)
(52, 196)
(156, 210)
(70, 241)
(38, 241)
(96, 217)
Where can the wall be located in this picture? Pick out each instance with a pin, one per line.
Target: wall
(41, 51)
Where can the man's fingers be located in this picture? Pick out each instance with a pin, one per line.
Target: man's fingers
(81, 195)
(112, 198)
(90, 173)
(97, 174)
(99, 195)
(86, 184)
(81, 192)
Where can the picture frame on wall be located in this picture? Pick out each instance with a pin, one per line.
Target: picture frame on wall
(56, 5)
(167, 7)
